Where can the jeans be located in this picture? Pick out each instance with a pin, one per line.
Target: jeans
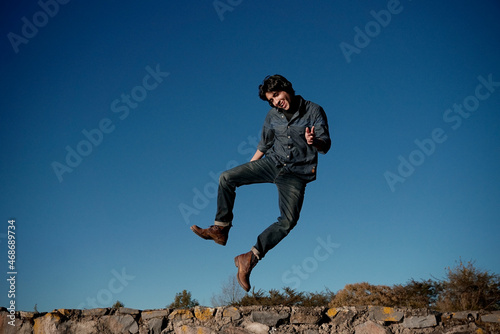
(291, 191)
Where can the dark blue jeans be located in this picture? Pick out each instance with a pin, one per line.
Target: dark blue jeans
(291, 191)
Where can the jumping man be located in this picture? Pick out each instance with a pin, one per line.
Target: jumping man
(294, 131)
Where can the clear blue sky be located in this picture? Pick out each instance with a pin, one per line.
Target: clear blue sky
(167, 93)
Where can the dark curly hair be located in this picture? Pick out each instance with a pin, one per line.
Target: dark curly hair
(275, 83)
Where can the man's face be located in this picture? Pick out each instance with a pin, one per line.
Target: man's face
(280, 99)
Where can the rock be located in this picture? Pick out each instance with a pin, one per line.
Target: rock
(303, 318)
(27, 328)
(257, 328)
(180, 314)
(234, 330)
(131, 311)
(386, 314)
(268, 318)
(4, 322)
(232, 313)
(20, 327)
(465, 315)
(492, 317)
(249, 320)
(311, 331)
(49, 323)
(446, 315)
(332, 312)
(306, 316)
(184, 329)
(466, 329)
(146, 315)
(82, 327)
(99, 312)
(27, 315)
(68, 313)
(344, 317)
(204, 313)
(156, 325)
(420, 321)
(121, 324)
(370, 327)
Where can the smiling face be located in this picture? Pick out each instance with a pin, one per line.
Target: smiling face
(279, 99)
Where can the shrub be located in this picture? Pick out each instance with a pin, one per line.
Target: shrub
(289, 297)
(468, 288)
(464, 288)
(416, 294)
(183, 300)
(231, 293)
(117, 305)
(362, 294)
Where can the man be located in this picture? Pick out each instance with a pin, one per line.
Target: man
(294, 131)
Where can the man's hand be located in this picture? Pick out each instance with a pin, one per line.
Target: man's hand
(310, 135)
(258, 154)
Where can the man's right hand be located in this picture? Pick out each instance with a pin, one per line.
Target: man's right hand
(310, 135)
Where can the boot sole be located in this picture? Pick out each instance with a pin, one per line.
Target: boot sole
(208, 237)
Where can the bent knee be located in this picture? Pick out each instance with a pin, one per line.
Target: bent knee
(225, 177)
(287, 224)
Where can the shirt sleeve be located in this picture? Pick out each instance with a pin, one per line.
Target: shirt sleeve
(267, 136)
(321, 129)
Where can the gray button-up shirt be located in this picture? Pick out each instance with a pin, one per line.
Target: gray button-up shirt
(284, 141)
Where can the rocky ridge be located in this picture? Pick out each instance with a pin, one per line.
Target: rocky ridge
(251, 320)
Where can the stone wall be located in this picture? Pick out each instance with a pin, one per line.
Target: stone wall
(248, 320)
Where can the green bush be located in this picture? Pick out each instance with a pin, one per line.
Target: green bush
(117, 305)
(289, 297)
(183, 300)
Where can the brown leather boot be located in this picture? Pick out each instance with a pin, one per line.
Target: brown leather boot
(245, 263)
(216, 233)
